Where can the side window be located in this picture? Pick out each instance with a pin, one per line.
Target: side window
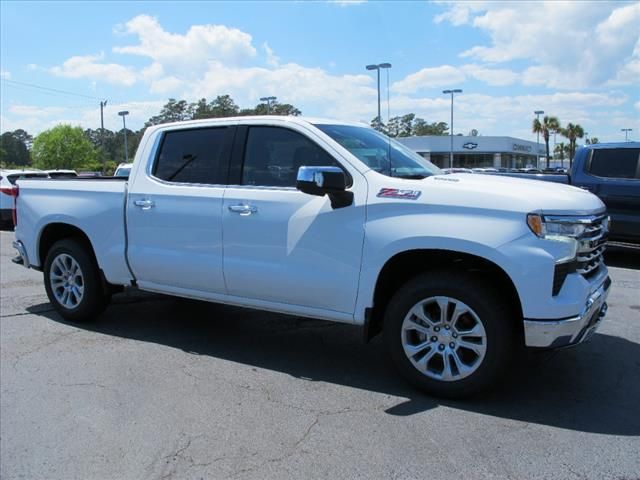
(273, 156)
(192, 156)
(615, 163)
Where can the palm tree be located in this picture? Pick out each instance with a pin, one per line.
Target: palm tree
(572, 132)
(545, 127)
(560, 151)
(592, 141)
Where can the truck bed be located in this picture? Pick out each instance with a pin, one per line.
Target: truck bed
(94, 206)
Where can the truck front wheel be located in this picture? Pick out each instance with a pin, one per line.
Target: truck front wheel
(449, 333)
(73, 282)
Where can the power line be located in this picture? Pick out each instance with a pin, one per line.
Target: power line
(40, 87)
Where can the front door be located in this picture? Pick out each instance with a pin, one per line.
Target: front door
(284, 246)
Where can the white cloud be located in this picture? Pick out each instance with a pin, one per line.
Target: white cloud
(35, 119)
(491, 76)
(5, 75)
(292, 83)
(592, 43)
(165, 85)
(272, 59)
(637, 105)
(200, 45)
(88, 66)
(429, 77)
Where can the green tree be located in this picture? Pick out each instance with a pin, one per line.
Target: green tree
(545, 127)
(14, 148)
(224, 106)
(377, 124)
(64, 146)
(173, 111)
(592, 140)
(401, 126)
(421, 128)
(572, 133)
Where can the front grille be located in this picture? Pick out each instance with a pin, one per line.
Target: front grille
(589, 257)
(591, 245)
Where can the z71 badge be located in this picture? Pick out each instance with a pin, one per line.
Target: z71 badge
(395, 193)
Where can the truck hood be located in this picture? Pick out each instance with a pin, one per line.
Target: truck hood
(492, 192)
(511, 194)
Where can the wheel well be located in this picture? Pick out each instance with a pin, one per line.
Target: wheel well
(404, 266)
(58, 231)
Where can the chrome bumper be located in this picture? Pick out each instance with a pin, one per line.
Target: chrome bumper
(22, 258)
(569, 331)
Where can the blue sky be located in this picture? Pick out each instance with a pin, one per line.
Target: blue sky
(579, 61)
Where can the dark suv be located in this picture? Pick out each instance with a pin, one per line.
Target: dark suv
(612, 172)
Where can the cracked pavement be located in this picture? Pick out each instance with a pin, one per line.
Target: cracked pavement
(163, 388)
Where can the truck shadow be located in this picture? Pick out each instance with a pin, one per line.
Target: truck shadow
(594, 388)
(623, 257)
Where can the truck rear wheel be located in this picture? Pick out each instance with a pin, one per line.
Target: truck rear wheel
(73, 282)
(449, 334)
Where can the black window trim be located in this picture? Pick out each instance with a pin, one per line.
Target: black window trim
(225, 156)
(236, 168)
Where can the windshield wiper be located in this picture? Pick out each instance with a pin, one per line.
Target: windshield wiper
(188, 158)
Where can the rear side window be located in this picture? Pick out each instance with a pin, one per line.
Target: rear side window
(615, 163)
(273, 156)
(192, 156)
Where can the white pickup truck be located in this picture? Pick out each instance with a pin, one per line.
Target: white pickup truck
(334, 221)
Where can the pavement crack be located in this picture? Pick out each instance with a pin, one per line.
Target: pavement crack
(42, 346)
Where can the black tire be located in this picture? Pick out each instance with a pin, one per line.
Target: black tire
(94, 297)
(490, 309)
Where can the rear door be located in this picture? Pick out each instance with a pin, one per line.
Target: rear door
(615, 179)
(174, 212)
(282, 245)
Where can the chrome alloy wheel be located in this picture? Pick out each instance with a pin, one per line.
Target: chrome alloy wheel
(444, 338)
(67, 282)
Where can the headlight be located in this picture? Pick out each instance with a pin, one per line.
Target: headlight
(545, 228)
(560, 230)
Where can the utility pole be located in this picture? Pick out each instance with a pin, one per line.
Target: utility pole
(102, 105)
(104, 157)
(451, 92)
(537, 114)
(377, 67)
(123, 114)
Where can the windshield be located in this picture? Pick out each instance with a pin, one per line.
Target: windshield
(380, 153)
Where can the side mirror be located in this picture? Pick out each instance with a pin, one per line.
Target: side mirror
(321, 181)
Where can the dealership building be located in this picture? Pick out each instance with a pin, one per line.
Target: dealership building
(473, 152)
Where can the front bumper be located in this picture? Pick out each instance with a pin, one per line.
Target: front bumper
(573, 330)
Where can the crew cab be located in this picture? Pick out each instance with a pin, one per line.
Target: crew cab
(334, 221)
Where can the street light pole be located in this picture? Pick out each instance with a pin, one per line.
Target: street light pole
(446, 92)
(123, 114)
(626, 133)
(377, 68)
(268, 100)
(538, 113)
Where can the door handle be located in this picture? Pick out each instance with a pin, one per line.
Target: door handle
(243, 210)
(144, 204)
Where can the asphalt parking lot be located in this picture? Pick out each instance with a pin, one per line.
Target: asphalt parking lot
(162, 388)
